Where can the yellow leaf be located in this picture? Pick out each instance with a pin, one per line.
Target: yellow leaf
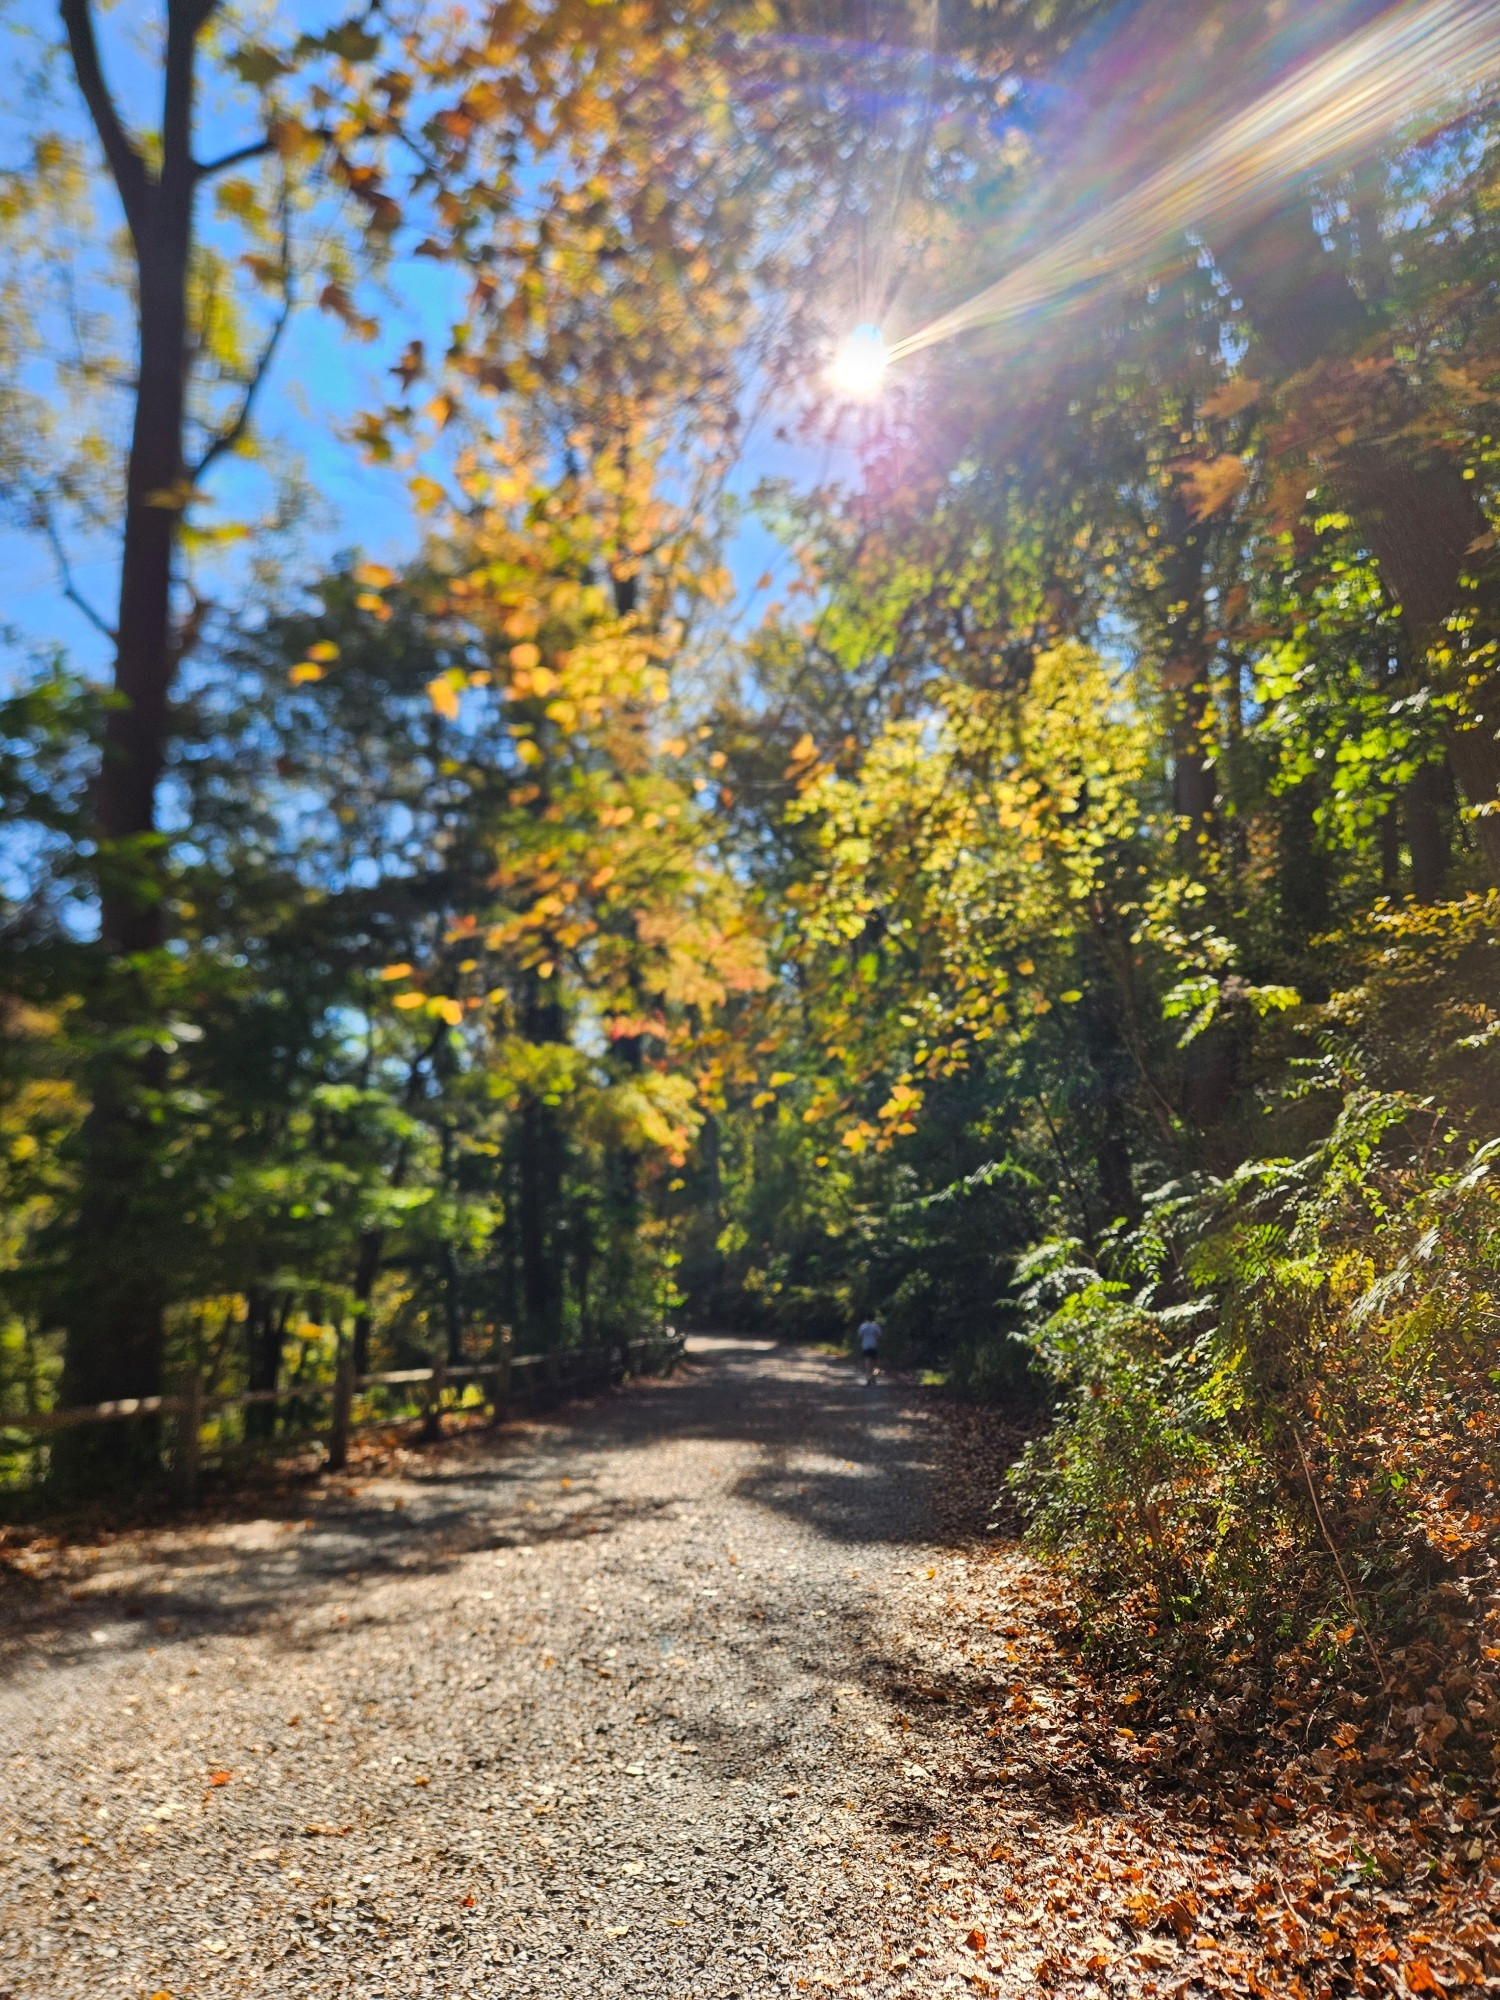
(452, 1011)
(406, 1001)
(304, 671)
(525, 657)
(444, 696)
(325, 650)
(374, 576)
(395, 971)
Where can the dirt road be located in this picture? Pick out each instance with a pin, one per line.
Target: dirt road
(610, 1704)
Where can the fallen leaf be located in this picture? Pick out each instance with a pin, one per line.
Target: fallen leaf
(220, 1777)
(975, 1940)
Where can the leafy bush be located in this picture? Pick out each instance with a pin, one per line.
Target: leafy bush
(1277, 1416)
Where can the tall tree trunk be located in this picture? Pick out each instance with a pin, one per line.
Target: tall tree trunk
(366, 1271)
(114, 1316)
(1302, 866)
(1427, 831)
(1185, 680)
(539, 1173)
(453, 1307)
(1106, 1092)
(265, 1333)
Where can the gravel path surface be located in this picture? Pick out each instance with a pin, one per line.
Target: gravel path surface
(613, 1703)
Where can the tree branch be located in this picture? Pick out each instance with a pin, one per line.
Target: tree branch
(65, 570)
(126, 163)
(256, 150)
(230, 436)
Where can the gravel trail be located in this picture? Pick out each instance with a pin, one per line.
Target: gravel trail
(611, 1703)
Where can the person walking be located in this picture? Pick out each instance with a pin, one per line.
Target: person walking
(869, 1345)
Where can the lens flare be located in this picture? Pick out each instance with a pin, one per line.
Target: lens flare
(860, 364)
(1409, 72)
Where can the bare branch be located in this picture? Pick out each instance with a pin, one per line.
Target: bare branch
(256, 150)
(65, 570)
(126, 163)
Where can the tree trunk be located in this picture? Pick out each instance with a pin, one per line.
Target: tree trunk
(539, 1165)
(118, 1293)
(1302, 868)
(539, 1172)
(453, 1307)
(1427, 832)
(1185, 681)
(265, 1332)
(1106, 1092)
(366, 1271)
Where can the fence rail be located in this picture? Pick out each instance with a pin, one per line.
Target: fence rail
(516, 1378)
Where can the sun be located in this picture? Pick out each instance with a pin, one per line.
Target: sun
(860, 364)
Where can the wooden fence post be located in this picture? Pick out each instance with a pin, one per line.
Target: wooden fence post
(188, 1442)
(343, 1407)
(432, 1422)
(502, 1374)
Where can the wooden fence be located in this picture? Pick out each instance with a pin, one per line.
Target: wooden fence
(517, 1382)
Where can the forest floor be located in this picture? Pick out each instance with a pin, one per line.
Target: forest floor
(713, 1686)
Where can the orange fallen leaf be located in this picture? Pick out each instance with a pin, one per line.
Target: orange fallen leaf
(421, 1781)
(1420, 1977)
(975, 1940)
(468, 1902)
(220, 1777)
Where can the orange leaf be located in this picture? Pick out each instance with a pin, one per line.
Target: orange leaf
(975, 1940)
(220, 1777)
(1211, 483)
(1420, 1978)
(1230, 398)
